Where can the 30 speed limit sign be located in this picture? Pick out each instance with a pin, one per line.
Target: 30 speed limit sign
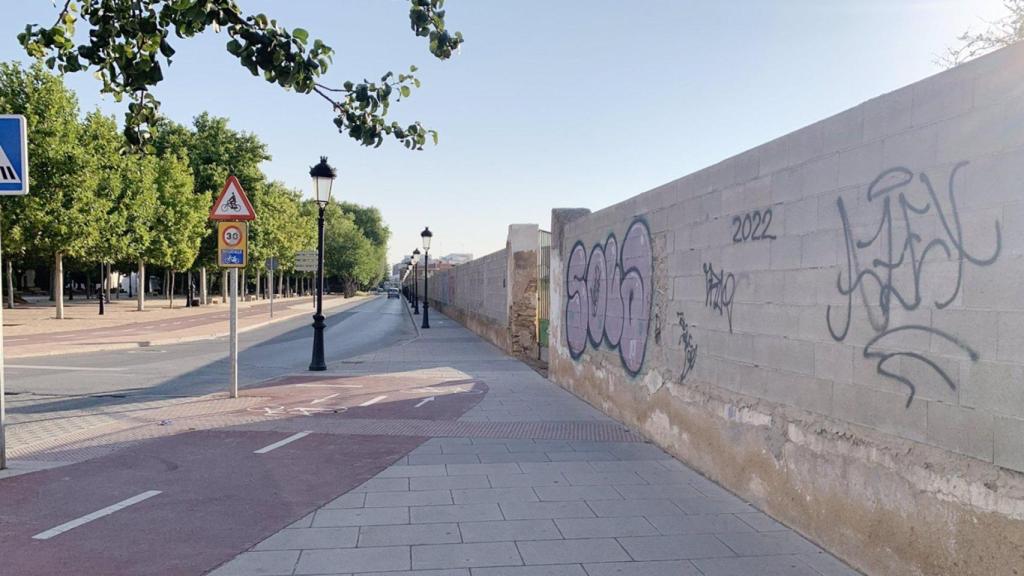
(231, 244)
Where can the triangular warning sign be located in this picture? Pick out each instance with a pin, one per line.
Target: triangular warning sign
(232, 204)
(7, 173)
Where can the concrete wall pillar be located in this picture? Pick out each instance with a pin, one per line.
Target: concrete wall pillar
(522, 259)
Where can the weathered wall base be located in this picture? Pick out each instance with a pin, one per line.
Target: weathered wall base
(900, 502)
(479, 324)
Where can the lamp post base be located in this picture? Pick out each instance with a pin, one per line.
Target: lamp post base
(318, 364)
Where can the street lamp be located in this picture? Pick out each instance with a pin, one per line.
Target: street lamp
(426, 235)
(323, 178)
(415, 281)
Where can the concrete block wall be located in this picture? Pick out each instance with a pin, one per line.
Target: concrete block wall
(830, 324)
(496, 295)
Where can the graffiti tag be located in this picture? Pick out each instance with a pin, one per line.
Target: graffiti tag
(609, 295)
(901, 252)
(720, 287)
(688, 345)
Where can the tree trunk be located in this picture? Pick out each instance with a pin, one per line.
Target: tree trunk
(58, 284)
(167, 283)
(203, 293)
(141, 288)
(171, 292)
(258, 283)
(10, 283)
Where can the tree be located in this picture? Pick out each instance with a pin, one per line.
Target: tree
(1003, 32)
(369, 221)
(348, 254)
(129, 43)
(280, 231)
(57, 219)
(180, 217)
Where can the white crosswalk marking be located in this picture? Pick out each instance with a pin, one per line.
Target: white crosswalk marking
(7, 173)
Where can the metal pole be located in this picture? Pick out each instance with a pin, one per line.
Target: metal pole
(233, 338)
(415, 290)
(318, 363)
(3, 407)
(102, 284)
(426, 300)
(270, 288)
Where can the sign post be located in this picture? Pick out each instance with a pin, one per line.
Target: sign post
(232, 211)
(305, 261)
(13, 182)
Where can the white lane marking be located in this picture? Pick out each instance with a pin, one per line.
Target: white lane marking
(280, 443)
(65, 368)
(373, 401)
(95, 515)
(325, 398)
(424, 401)
(330, 385)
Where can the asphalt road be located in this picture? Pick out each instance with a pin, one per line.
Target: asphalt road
(39, 387)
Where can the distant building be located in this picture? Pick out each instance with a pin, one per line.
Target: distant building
(457, 258)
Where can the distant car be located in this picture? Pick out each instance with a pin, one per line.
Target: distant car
(392, 292)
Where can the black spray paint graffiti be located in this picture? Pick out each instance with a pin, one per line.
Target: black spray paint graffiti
(688, 345)
(752, 226)
(609, 295)
(720, 288)
(900, 254)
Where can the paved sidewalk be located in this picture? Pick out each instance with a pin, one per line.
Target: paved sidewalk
(529, 482)
(28, 333)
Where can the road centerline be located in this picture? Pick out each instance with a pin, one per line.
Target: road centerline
(280, 443)
(57, 530)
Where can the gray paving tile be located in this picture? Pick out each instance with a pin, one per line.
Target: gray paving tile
(538, 446)
(706, 506)
(531, 479)
(478, 469)
(481, 495)
(475, 449)
(304, 522)
(563, 493)
(628, 466)
(412, 498)
(712, 490)
(572, 551)
(350, 500)
(444, 459)
(442, 442)
(675, 547)
(353, 560)
(465, 555)
(451, 572)
(413, 471)
(604, 527)
(648, 492)
(759, 565)
(448, 482)
(632, 507)
(509, 530)
(828, 565)
(669, 476)
(310, 538)
(603, 478)
(767, 543)
(639, 451)
(761, 522)
(581, 456)
(698, 524)
(384, 485)
(455, 513)
(651, 568)
(408, 534)
(275, 563)
(360, 517)
(550, 570)
(514, 457)
(536, 510)
(556, 467)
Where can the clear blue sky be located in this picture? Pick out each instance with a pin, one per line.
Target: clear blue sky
(552, 103)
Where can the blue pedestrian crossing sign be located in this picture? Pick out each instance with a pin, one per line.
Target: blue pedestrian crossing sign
(13, 155)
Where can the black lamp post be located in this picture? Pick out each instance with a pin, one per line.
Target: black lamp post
(415, 281)
(426, 235)
(323, 178)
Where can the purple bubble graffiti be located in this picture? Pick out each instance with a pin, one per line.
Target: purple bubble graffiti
(609, 296)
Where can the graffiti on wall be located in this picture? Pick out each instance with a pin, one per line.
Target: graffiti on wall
(688, 345)
(752, 226)
(609, 295)
(915, 227)
(720, 287)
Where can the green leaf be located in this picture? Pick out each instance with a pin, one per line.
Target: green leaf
(405, 91)
(301, 35)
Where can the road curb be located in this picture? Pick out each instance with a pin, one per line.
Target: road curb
(408, 309)
(114, 346)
